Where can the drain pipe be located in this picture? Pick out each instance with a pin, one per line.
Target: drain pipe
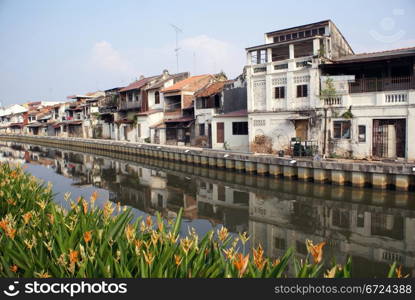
(325, 132)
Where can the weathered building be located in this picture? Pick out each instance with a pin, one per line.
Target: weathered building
(283, 83)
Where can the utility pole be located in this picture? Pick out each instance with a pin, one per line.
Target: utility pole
(178, 30)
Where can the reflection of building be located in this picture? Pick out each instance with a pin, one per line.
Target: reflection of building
(363, 231)
(279, 215)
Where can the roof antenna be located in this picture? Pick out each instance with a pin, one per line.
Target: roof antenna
(178, 30)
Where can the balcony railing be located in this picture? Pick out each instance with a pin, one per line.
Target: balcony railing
(333, 101)
(366, 85)
(124, 105)
(173, 107)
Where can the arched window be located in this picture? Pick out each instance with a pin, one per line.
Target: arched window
(157, 97)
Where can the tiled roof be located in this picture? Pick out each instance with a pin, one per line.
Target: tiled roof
(211, 89)
(149, 112)
(137, 84)
(160, 84)
(376, 55)
(189, 84)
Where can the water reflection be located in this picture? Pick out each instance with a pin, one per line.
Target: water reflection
(375, 227)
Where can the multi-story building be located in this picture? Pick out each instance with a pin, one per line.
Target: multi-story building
(307, 88)
(221, 115)
(283, 82)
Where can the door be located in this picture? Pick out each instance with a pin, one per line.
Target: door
(389, 138)
(220, 132)
(301, 129)
(210, 135)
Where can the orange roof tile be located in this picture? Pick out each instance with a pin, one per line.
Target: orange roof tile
(188, 84)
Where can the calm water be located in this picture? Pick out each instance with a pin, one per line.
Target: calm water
(374, 227)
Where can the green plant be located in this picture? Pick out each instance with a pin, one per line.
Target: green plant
(39, 238)
(348, 113)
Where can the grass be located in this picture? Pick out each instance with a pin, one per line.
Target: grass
(38, 238)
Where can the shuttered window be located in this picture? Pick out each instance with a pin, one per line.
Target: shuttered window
(220, 134)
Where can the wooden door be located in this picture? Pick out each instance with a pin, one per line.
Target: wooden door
(220, 132)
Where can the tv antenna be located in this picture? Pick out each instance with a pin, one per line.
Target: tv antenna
(178, 30)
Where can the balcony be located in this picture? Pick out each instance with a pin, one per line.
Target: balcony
(126, 105)
(367, 85)
(173, 110)
(332, 101)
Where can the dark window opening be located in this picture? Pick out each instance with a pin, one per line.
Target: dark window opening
(362, 133)
(341, 129)
(321, 31)
(280, 92)
(157, 97)
(302, 90)
(202, 129)
(239, 128)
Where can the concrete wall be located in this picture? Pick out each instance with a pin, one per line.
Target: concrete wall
(234, 142)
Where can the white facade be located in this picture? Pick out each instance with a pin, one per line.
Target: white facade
(232, 140)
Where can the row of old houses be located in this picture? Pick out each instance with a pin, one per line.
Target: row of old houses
(303, 92)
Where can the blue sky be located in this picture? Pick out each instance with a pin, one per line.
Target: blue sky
(52, 49)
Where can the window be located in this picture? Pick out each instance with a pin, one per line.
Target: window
(201, 129)
(341, 129)
(157, 97)
(294, 35)
(280, 243)
(314, 32)
(321, 31)
(259, 57)
(280, 92)
(302, 90)
(130, 97)
(239, 128)
(362, 134)
(301, 34)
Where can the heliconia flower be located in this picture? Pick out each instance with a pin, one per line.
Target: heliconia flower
(331, 273)
(93, 197)
(230, 253)
(178, 259)
(11, 232)
(4, 224)
(171, 237)
(149, 258)
(276, 262)
(119, 206)
(85, 206)
(87, 236)
(315, 250)
(186, 244)
(42, 275)
(51, 218)
(26, 217)
(73, 256)
(398, 272)
(223, 233)
(129, 233)
(11, 202)
(244, 237)
(42, 204)
(13, 268)
(149, 221)
(154, 237)
(241, 263)
(259, 260)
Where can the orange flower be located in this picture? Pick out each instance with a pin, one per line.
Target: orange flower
(241, 263)
(87, 236)
(13, 268)
(398, 272)
(178, 259)
(259, 260)
(11, 202)
(26, 217)
(73, 256)
(148, 257)
(94, 197)
(223, 233)
(85, 206)
(4, 224)
(51, 218)
(129, 233)
(149, 221)
(315, 250)
(11, 232)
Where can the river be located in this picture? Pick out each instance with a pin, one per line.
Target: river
(375, 227)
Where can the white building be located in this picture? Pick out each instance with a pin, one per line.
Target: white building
(365, 108)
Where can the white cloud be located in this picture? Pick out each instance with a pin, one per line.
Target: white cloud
(106, 58)
(210, 55)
